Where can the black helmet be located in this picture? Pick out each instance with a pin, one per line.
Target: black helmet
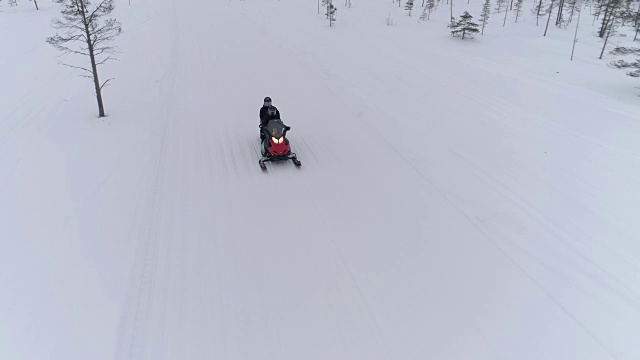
(272, 110)
(267, 101)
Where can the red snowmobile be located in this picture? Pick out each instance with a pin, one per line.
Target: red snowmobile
(275, 145)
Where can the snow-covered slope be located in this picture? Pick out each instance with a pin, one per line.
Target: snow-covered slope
(457, 200)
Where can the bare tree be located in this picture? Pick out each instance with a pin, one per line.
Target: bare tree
(538, 10)
(575, 35)
(610, 31)
(549, 18)
(635, 22)
(84, 27)
(452, 19)
(506, 11)
(573, 4)
(559, 17)
(610, 7)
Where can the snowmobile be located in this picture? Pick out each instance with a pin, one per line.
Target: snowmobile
(275, 145)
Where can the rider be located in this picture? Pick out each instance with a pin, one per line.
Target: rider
(265, 114)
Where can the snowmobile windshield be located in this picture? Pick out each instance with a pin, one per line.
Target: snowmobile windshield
(276, 128)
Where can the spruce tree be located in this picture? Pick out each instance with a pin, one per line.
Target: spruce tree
(484, 15)
(426, 12)
(518, 9)
(464, 26)
(409, 6)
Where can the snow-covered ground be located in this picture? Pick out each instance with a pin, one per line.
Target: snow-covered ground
(457, 199)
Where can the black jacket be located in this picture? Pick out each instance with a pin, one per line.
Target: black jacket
(265, 117)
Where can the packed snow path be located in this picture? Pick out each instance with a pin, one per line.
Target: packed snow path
(433, 217)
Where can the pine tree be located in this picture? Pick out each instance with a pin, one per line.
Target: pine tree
(499, 5)
(572, 4)
(518, 9)
(484, 15)
(331, 12)
(426, 12)
(325, 3)
(464, 26)
(409, 6)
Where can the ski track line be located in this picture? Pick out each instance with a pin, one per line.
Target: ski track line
(513, 111)
(144, 289)
(344, 263)
(494, 241)
(476, 99)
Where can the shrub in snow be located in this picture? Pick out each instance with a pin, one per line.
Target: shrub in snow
(464, 26)
(389, 20)
(622, 64)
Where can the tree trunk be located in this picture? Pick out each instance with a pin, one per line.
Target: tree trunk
(573, 9)
(549, 18)
(575, 35)
(607, 38)
(506, 11)
(94, 67)
(538, 14)
(559, 16)
(603, 27)
(452, 12)
(635, 23)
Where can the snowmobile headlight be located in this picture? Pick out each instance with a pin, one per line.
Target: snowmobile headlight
(277, 140)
